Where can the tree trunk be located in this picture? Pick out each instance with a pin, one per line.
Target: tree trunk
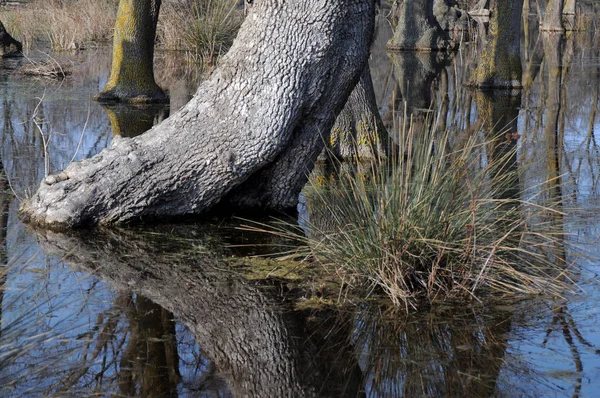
(449, 15)
(553, 18)
(132, 72)
(418, 30)
(500, 63)
(358, 131)
(267, 111)
(9, 47)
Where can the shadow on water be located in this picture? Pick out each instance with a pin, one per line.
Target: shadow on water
(163, 312)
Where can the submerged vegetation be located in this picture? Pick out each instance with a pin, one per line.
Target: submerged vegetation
(440, 219)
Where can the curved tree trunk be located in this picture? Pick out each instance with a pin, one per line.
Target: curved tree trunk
(553, 18)
(500, 63)
(265, 111)
(418, 30)
(132, 72)
(9, 47)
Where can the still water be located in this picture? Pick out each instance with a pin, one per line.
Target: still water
(155, 312)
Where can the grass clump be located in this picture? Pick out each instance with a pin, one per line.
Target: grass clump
(440, 220)
(66, 24)
(204, 27)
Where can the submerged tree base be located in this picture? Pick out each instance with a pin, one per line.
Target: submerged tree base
(260, 121)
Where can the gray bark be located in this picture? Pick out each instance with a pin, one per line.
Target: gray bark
(267, 109)
(254, 344)
(418, 30)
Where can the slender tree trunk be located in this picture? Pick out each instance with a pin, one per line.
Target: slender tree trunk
(553, 17)
(9, 47)
(267, 109)
(418, 30)
(132, 72)
(570, 15)
(500, 63)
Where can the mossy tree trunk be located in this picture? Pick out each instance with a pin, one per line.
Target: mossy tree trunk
(553, 17)
(358, 131)
(500, 62)
(132, 72)
(264, 113)
(569, 15)
(418, 29)
(9, 47)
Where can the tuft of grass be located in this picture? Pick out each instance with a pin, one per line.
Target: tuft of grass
(204, 27)
(67, 24)
(439, 219)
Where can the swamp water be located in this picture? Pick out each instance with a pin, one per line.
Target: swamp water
(156, 312)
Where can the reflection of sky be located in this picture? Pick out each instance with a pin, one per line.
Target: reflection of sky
(67, 303)
(47, 306)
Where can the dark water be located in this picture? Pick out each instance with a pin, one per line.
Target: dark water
(153, 312)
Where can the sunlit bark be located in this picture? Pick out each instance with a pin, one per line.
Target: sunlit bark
(266, 110)
(132, 72)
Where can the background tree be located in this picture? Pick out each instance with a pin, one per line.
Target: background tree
(418, 29)
(500, 64)
(132, 72)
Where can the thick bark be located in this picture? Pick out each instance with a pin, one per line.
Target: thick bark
(500, 63)
(9, 47)
(257, 346)
(132, 72)
(553, 17)
(418, 29)
(265, 111)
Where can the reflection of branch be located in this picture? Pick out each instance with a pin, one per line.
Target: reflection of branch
(568, 329)
(106, 334)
